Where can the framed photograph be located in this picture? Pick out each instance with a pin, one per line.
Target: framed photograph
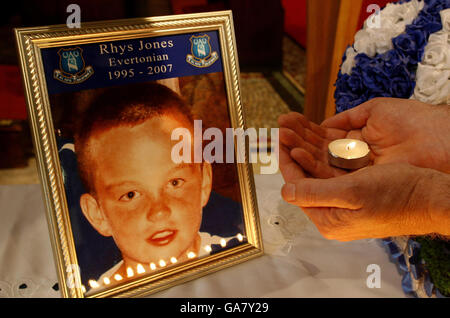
(131, 122)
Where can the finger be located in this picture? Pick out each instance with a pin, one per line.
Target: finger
(355, 134)
(316, 168)
(290, 170)
(292, 140)
(315, 139)
(328, 193)
(333, 134)
(294, 121)
(309, 131)
(289, 138)
(320, 131)
(354, 118)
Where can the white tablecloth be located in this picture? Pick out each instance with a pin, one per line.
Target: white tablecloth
(299, 262)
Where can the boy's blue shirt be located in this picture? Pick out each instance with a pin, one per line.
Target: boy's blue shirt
(96, 253)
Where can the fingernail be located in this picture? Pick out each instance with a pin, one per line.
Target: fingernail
(288, 192)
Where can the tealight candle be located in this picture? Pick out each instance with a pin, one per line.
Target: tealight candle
(349, 154)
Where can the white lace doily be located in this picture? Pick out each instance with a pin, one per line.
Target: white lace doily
(26, 260)
(299, 262)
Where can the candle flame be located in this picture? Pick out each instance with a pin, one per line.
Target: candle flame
(140, 269)
(152, 266)
(208, 248)
(240, 237)
(106, 280)
(351, 146)
(83, 289)
(162, 263)
(93, 283)
(130, 272)
(173, 260)
(191, 255)
(117, 277)
(223, 243)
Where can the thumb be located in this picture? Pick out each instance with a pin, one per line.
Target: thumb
(331, 193)
(354, 118)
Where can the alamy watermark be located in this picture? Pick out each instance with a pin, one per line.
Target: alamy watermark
(74, 19)
(374, 279)
(374, 20)
(235, 138)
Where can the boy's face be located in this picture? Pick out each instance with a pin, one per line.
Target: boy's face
(151, 206)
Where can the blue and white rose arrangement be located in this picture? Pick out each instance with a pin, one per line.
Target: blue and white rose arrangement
(405, 55)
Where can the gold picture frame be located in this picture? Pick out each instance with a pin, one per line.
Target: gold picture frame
(38, 48)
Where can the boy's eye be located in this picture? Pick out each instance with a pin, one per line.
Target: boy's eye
(176, 183)
(129, 196)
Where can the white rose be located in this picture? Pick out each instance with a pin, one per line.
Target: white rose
(432, 85)
(440, 37)
(364, 43)
(383, 40)
(349, 62)
(411, 11)
(404, 13)
(418, 5)
(393, 21)
(438, 55)
(391, 9)
(383, 37)
(445, 18)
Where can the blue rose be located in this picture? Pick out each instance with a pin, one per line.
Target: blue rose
(426, 22)
(358, 101)
(434, 6)
(411, 45)
(341, 83)
(374, 78)
(355, 83)
(392, 59)
(391, 74)
(363, 59)
(401, 87)
(343, 100)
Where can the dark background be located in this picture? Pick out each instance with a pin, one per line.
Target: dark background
(258, 23)
(259, 33)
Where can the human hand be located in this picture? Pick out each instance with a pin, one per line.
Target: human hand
(375, 202)
(396, 130)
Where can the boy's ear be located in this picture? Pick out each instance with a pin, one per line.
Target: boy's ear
(206, 182)
(94, 214)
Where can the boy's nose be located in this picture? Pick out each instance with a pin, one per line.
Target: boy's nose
(158, 212)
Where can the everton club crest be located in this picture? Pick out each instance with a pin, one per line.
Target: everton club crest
(201, 53)
(72, 69)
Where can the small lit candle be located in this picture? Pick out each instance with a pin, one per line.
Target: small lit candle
(191, 255)
(348, 154)
(130, 272)
(93, 283)
(140, 269)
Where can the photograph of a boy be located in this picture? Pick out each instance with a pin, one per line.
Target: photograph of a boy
(150, 206)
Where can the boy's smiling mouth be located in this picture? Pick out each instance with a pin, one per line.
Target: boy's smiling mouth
(162, 237)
